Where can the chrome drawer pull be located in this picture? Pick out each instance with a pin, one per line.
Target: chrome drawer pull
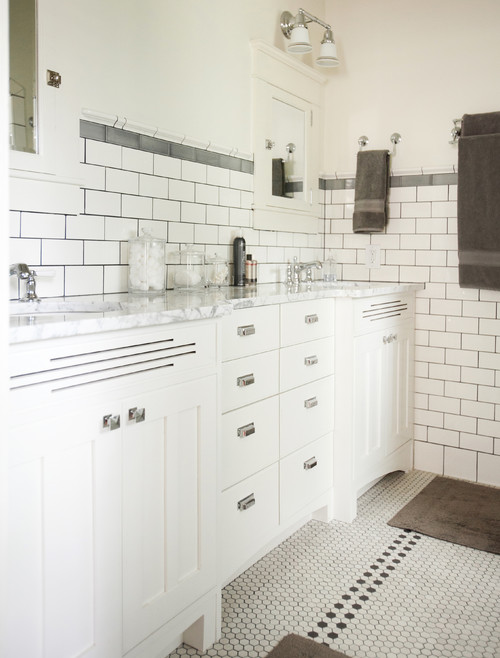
(311, 402)
(247, 502)
(390, 338)
(111, 422)
(311, 360)
(137, 415)
(246, 430)
(246, 380)
(310, 463)
(311, 319)
(246, 330)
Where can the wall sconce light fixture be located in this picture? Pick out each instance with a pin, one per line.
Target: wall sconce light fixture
(295, 29)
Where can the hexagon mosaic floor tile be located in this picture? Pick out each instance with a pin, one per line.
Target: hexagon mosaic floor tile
(366, 589)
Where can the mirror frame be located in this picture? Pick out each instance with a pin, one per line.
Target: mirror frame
(277, 75)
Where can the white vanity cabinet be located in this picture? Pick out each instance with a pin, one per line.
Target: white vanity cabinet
(249, 438)
(113, 493)
(374, 420)
(275, 445)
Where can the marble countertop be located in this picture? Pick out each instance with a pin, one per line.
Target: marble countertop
(74, 316)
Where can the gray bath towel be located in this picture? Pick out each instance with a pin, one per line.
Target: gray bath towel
(278, 177)
(478, 202)
(370, 197)
(486, 123)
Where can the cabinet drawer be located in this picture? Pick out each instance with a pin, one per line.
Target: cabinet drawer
(249, 440)
(301, 364)
(245, 381)
(250, 331)
(375, 313)
(244, 531)
(305, 475)
(307, 320)
(306, 413)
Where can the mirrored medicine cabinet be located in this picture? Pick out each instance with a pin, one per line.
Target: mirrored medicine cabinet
(23, 79)
(287, 106)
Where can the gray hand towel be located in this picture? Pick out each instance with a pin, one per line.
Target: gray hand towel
(486, 123)
(370, 198)
(478, 211)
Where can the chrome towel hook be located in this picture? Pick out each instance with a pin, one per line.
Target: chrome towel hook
(395, 139)
(455, 131)
(362, 141)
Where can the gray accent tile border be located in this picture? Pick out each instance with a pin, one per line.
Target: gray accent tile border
(394, 181)
(102, 133)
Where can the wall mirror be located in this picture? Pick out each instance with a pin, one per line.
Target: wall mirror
(288, 150)
(23, 75)
(287, 108)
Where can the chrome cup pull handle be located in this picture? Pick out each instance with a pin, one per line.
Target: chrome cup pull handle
(311, 360)
(310, 463)
(311, 402)
(246, 502)
(311, 319)
(246, 330)
(245, 380)
(246, 430)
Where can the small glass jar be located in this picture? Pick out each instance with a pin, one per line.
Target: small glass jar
(190, 274)
(217, 271)
(330, 269)
(146, 264)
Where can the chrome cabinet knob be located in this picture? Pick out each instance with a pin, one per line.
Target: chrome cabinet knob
(111, 422)
(137, 415)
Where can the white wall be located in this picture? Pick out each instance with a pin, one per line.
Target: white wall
(409, 67)
(182, 66)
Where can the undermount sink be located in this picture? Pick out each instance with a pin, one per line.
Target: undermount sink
(53, 306)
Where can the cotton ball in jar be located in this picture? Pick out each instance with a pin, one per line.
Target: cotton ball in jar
(146, 264)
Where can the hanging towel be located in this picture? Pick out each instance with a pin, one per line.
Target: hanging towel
(278, 177)
(478, 201)
(370, 197)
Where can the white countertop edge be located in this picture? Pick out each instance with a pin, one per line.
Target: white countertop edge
(175, 307)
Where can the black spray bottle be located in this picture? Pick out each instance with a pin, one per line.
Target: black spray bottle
(239, 257)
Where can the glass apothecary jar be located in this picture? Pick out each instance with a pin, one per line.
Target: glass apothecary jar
(217, 270)
(146, 264)
(190, 274)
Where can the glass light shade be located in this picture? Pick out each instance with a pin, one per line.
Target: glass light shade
(299, 40)
(328, 55)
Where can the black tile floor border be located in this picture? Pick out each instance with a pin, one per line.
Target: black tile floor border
(341, 613)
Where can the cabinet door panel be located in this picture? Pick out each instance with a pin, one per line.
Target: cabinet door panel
(64, 515)
(370, 395)
(306, 413)
(168, 506)
(250, 331)
(261, 370)
(306, 320)
(244, 529)
(401, 374)
(305, 475)
(303, 363)
(249, 440)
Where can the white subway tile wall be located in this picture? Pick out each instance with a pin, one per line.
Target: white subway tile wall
(457, 383)
(457, 373)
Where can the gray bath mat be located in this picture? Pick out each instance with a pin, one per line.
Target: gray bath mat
(460, 512)
(295, 646)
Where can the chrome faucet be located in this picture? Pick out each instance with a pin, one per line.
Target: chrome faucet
(23, 272)
(299, 267)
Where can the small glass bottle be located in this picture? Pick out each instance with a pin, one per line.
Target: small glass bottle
(248, 269)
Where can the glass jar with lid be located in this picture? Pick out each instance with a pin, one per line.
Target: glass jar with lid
(146, 264)
(190, 274)
(217, 271)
